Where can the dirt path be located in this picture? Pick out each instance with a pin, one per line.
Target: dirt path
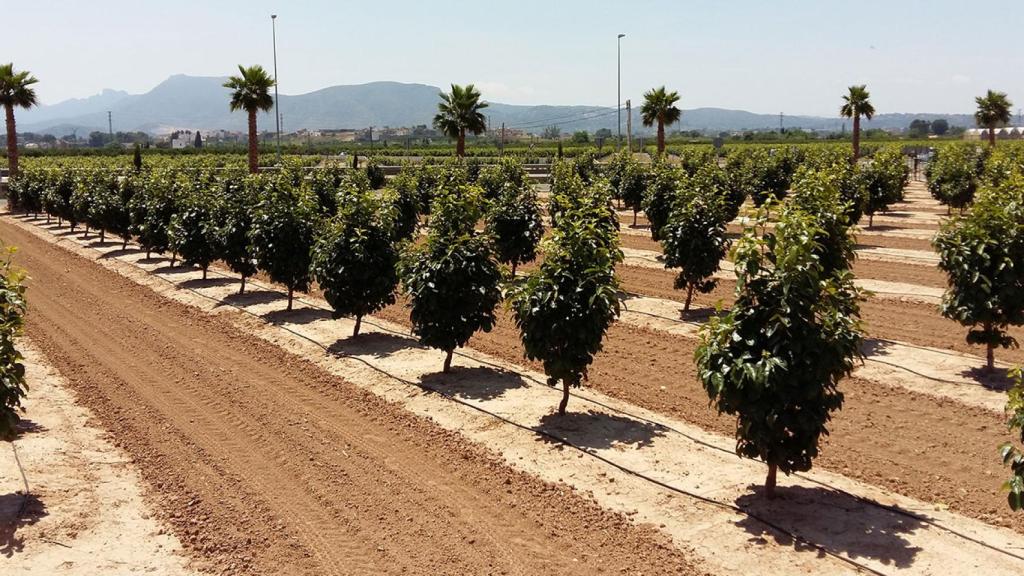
(686, 459)
(85, 513)
(267, 464)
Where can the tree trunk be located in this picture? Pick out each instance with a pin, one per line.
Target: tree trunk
(204, 271)
(769, 483)
(990, 351)
(856, 137)
(871, 220)
(689, 297)
(241, 289)
(634, 218)
(12, 142)
(514, 264)
(85, 236)
(565, 397)
(124, 242)
(359, 322)
(661, 137)
(448, 361)
(174, 259)
(460, 145)
(253, 144)
(103, 235)
(992, 136)
(291, 292)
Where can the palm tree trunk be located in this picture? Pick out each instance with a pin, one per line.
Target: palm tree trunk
(12, 141)
(856, 137)
(460, 145)
(661, 137)
(991, 136)
(253, 144)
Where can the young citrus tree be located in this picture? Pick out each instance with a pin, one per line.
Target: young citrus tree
(195, 228)
(151, 209)
(564, 308)
(982, 254)
(775, 359)
(632, 183)
(663, 191)
(953, 175)
(354, 261)
(514, 224)
(508, 171)
(12, 321)
(1011, 455)
(402, 205)
(240, 197)
(452, 279)
(694, 240)
(818, 193)
(282, 233)
(885, 177)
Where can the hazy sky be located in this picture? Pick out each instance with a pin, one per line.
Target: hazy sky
(759, 55)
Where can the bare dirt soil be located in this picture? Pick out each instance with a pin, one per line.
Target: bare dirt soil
(85, 511)
(264, 463)
(884, 435)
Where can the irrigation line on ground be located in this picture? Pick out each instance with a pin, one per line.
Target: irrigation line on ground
(736, 508)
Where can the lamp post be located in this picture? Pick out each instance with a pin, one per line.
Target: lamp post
(618, 100)
(277, 113)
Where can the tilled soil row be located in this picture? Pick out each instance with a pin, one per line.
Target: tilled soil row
(264, 463)
(903, 321)
(885, 435)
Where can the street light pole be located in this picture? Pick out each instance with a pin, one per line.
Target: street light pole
(277, 113)
(618, 100)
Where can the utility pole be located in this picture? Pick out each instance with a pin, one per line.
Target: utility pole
(629, 127)
(110, 125)
(781, 129)
(277, 113)
(618, 98)
(501, 151)
(371, 139)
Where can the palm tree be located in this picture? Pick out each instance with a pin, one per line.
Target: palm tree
(251, 92)
(458, 112)
(15, 90)
(856, 104)
(660, 106)
(993, 110)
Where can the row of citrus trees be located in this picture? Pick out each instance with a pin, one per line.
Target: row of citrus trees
(12, 322)
(795, 291)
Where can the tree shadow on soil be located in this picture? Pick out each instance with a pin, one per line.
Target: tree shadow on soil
(697, 314)
(998, 380)
(476, 383)
(104, 244)
(154, 260)
(31, 511)
(178, 268)
(27, 426)
(252, 298)
(195, 283)
(834, 521)
(119, 252)
(296, 316)
(598, 430)
(375, 344)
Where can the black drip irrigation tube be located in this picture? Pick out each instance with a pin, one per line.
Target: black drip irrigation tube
(583, 450)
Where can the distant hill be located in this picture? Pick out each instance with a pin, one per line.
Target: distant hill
(192, 102)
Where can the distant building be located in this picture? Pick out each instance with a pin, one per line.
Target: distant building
(1005, 133)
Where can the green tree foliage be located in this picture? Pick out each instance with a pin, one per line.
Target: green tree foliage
(918, 128)
(56, 198)
(402, 205)
(884, 177)
(659, 108)
(459, 112)
(953, 174)
(137, 158)
(994, 110)
(282, 233)
(694, 239)
(776, 358)
(240, 198)
(857, 103)
(106, 210)
(514, 224)
(581, 137)
(817, 193)
(375, 174)
(12, 321)
(564, 308)
(940, 126)
(151, 209)
(354, 261)
(195, 229)
(628, 179)
(452, 279)
(982, 253)
(664, 186)
(508, 171)
(1011, 455)
(16, 91)
(250, 91)
(81, 198)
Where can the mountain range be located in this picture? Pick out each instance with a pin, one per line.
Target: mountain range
(201, 103)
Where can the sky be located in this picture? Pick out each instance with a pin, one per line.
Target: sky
(791, 56)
